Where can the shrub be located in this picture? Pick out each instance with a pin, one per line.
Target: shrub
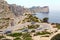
(45, 20)
(41, 33)
(33, 31)
(28, 38)
(17, 38)
(58, 26)
(25, 35)
(33, 26)
(15, 34)
(56, 37)
(1, 37)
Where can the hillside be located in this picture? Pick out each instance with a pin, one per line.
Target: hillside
(6, 15)
(20, 10)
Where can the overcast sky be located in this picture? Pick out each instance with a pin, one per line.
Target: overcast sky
(53, 4)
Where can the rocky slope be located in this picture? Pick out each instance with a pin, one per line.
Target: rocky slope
(19, 10)
(5, 14)
(9, 13)
(4, 10)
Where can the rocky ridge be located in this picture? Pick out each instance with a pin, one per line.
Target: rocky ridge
(6, 15)
(20, 10)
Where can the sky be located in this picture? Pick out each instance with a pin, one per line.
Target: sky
(53, 4)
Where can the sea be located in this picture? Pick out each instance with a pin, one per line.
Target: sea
(53, 16)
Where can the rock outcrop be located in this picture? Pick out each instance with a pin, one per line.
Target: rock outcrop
(17, 10)
(5, 14)
(39, 9)
(4, 10)
(20, 10)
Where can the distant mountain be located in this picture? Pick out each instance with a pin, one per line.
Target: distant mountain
(39, 9)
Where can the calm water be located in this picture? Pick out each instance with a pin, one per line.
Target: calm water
(54, 17)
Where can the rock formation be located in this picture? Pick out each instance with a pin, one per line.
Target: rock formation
(20, 10)
(17, 10)
(5, 14)
(39, 9)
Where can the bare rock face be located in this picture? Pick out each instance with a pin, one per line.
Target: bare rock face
(5, 14)
(17, 10)
(20, 10)
(45, 9)
(4, 10)
(39, 9)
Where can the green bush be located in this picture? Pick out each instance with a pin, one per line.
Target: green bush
(31, 18)
(33, 31)
(2, 37)
(45, 19)
(56, 37)
(33, 26)
(15, 34)
(28, 38)
(17, 38)
(25, 35)
(41, 33)
(58, 26)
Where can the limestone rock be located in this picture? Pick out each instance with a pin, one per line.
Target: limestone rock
(39, 9)
(5, 14)
(17, 10)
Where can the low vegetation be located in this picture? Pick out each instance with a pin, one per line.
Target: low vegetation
(58, 26)
(25, 35)
(33, 26)
(33, 31)
(56, 37)
(28, 38)
(2, 37)
(45, 19)
(17, 38)
(31, 18)
(15, 34)
(21, 36)
(41, 33)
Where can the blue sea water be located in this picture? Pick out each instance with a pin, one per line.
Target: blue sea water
(54, 17)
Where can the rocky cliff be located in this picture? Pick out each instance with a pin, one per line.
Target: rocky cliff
(5, 14)
(4, 10)
(19, 10)
(39, 9)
